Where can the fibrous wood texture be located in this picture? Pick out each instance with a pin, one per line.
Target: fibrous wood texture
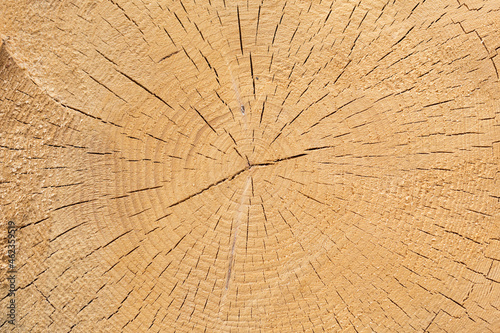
(217, 166)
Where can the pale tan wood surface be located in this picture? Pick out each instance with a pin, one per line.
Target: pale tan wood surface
(217, 166)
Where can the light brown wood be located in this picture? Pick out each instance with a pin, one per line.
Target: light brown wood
(217, 166)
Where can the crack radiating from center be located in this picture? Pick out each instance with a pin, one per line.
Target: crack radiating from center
(237, 223)
(229, 178)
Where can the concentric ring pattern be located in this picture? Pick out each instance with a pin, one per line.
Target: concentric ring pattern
(253, 166)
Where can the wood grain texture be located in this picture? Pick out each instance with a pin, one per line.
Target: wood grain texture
(278, 166)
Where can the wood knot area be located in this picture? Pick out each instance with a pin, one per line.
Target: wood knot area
(217, 166)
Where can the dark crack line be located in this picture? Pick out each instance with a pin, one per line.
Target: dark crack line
(206, 122)
(239, 28)
(148, 91)
(229, 178)
(169, 55)
(209, 187)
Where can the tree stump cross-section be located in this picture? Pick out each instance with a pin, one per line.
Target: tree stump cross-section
(250, 166)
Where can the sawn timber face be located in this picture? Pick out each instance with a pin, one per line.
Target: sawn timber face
(252, 166)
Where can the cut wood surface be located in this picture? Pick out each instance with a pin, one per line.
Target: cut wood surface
(250, 166)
